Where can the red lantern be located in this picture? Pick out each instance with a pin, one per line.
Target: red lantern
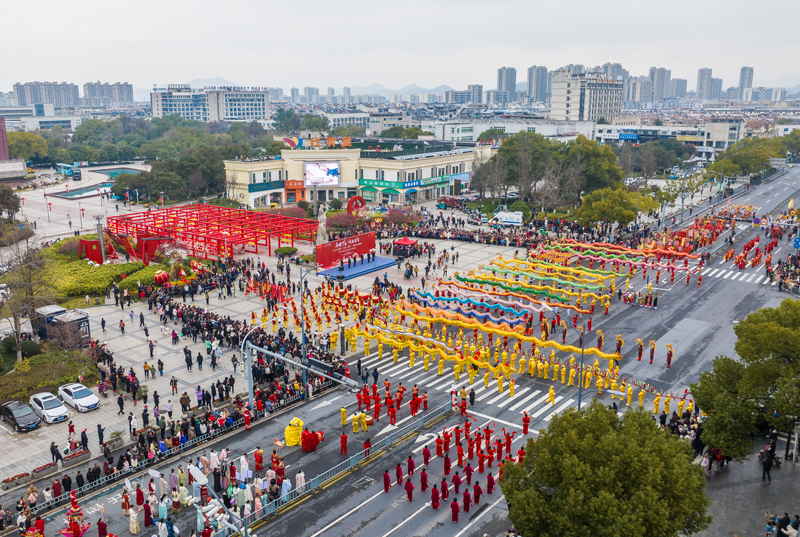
(161, 277)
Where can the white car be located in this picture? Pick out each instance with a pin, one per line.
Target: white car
(78, 397)
(48, 407)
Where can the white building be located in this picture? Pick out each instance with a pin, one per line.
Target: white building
(459, 130)
(211, 104)
(764, 94)
(585, 97)
(343, 119)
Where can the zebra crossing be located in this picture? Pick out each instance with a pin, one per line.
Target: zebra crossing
(755, 277)
(526, 398)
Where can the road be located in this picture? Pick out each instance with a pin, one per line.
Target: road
(697, 321)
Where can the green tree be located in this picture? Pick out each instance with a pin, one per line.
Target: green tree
(335, 204)
(286, 120)
(598, 164)
(8, 200)
(349, 130)
(792, 141)
(603, 121)
(611, 205)
(393, 132)
(491, 134)
(592, 473)
(313, 122)
(762, 386)
(26, 145)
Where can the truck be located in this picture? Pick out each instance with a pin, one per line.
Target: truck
(507, 218)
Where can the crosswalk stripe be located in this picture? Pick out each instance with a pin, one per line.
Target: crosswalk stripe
(545, 408)
(736, 276)
(528, 398)
(419, 378)
(775, 282)
(484, 395)
(766, 281)
(559, 409)
(445, 380)
(727, 275)
(516, 395)
(712, 272)
(500, 396)
(411, 371)
(721, 262)
(759, 279)
(720, 273)
(751, 277)
(535, 404)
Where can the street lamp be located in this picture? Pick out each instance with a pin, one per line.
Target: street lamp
(581, 336)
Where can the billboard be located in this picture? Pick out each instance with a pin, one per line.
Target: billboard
(329, 254)
(322, 173)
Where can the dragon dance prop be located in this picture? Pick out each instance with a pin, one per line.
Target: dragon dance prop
(466, 290)
(434, 301)
(505, 283)
(647, 252)
(621, 259)
(531, 274)
(469, 325)
(562, 266)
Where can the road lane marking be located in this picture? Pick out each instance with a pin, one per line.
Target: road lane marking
(559, 410)
(528, 398)
(546, 408)
(759, 279)
(517, 395)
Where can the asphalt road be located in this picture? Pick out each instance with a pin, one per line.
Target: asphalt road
(697, 321)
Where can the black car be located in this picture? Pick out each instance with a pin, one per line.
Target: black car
(20, 415)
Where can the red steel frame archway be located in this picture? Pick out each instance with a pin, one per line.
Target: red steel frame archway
(209, 232)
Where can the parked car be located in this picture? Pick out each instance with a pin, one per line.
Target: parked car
(19, 414)
(48, 407)
(78, 397)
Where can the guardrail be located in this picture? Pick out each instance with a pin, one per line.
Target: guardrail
(161, 457)
(270, 508)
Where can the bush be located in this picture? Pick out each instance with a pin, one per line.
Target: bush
(303, 204)
(286, 250)
(144, 276)
(335, 204)
(30, 348)
(342, 221)
(9, 344)
(291, 212)
(69, 247)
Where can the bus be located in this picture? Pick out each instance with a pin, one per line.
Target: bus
(69, 170)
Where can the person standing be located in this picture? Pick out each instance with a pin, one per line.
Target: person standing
(766, 466)
(100, 431)
(121, 403)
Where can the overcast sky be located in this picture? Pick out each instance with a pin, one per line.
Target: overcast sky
(356, 42)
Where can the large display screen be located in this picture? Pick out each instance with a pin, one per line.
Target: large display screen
(322, 173)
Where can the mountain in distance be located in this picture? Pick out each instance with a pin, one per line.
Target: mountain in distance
(785, 81)
(380, 89)
(522, 86)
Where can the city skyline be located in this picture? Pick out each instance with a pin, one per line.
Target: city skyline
(285, 57)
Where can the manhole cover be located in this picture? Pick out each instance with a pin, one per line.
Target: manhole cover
(734, 534)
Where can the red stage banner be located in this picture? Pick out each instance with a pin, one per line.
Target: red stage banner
(329, 254)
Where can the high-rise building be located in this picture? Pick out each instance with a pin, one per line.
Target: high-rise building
(60, 95)
(574, 69)
(211, 104)
(3, 141)
(456, 97)
(660, 78)
(331, 95)
(639, 89)
(475, 93)
(716, 89)
(310, 93)
(677, 88)
(507, 80)
(704, 84)
(96, 93)
(587, 97)
(613, 71)
(764, 94)
(745, 80)
(7, 98)
(537, 83)
(275, 94)
(346, 91)
(295, 93)
(730, 94)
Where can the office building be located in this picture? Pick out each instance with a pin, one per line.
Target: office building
(497, 97)
(507, 80)
(677, 88)
(7, 98)
(475, 93)
(468, 130)
(105, 93)
(704, 84)
(764, 94)
(15, 113)
(275, 94)
(226, 103)
(331, 95)
(586, 97)
(745, 80)
(456, 97)
(614, 71)
(537, 83)
(295, 93)
(730, 94)
(60, 95)
(660, 78)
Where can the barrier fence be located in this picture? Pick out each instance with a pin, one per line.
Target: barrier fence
(63, 499)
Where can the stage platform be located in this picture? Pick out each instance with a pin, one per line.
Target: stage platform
(360, 270)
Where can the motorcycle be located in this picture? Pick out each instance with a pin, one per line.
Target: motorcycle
(102, 388)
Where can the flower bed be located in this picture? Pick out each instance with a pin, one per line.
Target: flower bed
(18, 479)
(45, 470)
(76, 457)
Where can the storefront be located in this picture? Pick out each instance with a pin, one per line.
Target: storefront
(295, 191)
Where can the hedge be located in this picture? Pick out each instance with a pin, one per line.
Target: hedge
(144, 276)
(79, 278)
(47, 373)
(286, 250)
